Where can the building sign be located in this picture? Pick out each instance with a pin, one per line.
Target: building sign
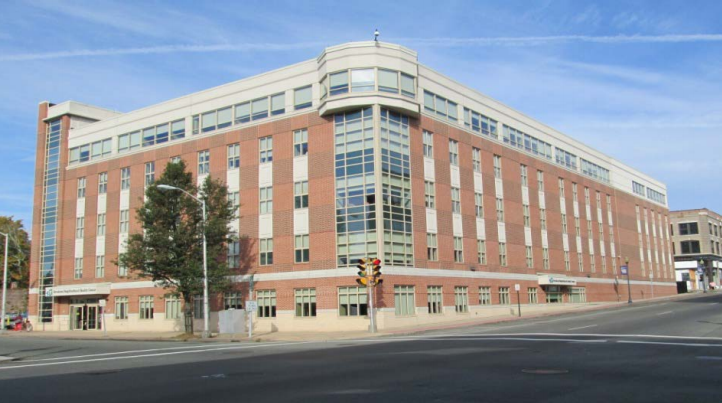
(81, 289)
(548, 279)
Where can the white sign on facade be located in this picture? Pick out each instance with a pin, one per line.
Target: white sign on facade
(556, 280)
(84, 289)
(251, 306)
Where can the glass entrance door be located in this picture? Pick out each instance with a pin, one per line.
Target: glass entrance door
(84, 317)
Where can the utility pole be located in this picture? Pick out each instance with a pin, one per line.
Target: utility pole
(5, 282)
(629, 285)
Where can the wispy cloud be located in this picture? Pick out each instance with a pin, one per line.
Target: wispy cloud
(544, 40)
(244, 47)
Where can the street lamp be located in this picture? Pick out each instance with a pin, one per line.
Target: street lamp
(703, 272)
(629, 286)
(5, 282)
(206, 332)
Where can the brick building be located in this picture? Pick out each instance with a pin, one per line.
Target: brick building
(360, 152)
(696, 238)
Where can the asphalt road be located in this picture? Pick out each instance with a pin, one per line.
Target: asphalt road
(664, 352)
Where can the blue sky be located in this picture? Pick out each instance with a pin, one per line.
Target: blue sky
(640, 81)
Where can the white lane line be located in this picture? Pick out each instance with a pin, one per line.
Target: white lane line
(45, 364)
(582, 327)
(488, 338)
(650, 336)
(714, 303)
(707, 357)
(664, 313)
(131, 352)
(661, 343)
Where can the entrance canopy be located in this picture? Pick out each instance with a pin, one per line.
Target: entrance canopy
(81, 289)
(553, 279)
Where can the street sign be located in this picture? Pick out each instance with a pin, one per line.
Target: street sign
(517, 287)
(625, 270)
(251, 306)
(102, 302)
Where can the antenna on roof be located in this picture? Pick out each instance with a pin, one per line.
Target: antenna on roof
(376, 35)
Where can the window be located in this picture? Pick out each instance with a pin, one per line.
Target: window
(529, 257)
(121, 308)
(688, 228)
(266, 149)
(408, 87)
(458, 250)
(435, 299)
(122, 271)
(266, 300)
(575, 195)
(564, 223)
(524, 141)
(595, 171)
(198, 308)
(352, 301)
(689, 247)
(580, 262)
(302, 98)
(429, 194)
(540, 180)
(504, 296)
(499, 209)
(567, 264)
(577, 229)
(404, 300)
(485, 295)
(305, 302)
(543, 218)
(586, 196)
(432, 247)
(266, 251)
(146, 307)
(566, 158)
(428, 145)
(102, 183)
(545, 258)
(234, 156)
(479, 205)
(502, 253)
(592, 264)
(101, 225)
(78, 268)
(242, 112)
(656, 196)
(455, 200)
(259, 108)
(338, 83)
(79, 227)
(100, 266)
(232, 300)
(481, 251)
(524, 176)
(81, 187)
(300, 142)
(461, 299)
(175, 160)
(578, 295)
(442, 106)
(454, 152)
(497, 166)
(266, 200)
(389, 81)
(101, 148)
(554, 295)
(301, 249)
(533, 297)
(300, 195)
(561, 187)
(125, 178)
(527, 215)
(278, 104)
(480, 123)
(476, 159)
(233, 255)
(149, 173)
(172, 306)
(204, 162)
(363, 80)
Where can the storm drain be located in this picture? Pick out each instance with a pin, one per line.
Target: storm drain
(545, 371)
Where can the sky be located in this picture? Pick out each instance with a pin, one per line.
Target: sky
(638, 80)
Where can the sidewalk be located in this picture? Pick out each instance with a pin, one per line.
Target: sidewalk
(325, 336)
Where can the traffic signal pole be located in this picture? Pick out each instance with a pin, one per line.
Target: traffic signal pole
(370, 288)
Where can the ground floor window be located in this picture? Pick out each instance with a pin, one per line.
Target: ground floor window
(146, 307)
(578, 295)
(121, 307)
(404, 300)
(172, 307)
(305, 302)
(461, 299)
(266, 303)
(504, 296)
(485, 295)
(435, 299)
(554, 295)
(232, 300)
(198, 310)
(533, 298)
(353, 301)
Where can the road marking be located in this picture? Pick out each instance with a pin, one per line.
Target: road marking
(45, 364)
(131, 352)
(669, 344)
(664, 313)
(582, 327)
(650, 336)
(714, 303)
(707, 357)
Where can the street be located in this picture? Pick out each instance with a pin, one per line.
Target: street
(670, 351)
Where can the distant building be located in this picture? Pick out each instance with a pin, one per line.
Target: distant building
(696, 238)
(360, 152)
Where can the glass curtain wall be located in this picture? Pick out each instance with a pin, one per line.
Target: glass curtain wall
(49, 220)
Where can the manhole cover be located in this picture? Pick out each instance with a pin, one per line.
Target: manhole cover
(546, 371)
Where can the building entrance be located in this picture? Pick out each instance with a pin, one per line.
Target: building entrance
(85, 316)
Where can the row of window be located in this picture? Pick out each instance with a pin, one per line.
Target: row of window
(369, 79)
(595, 171)
(527, 142)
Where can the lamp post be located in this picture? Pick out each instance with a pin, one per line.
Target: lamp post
(206, 332)
(629, 286)
(703, 272)
(5, 282)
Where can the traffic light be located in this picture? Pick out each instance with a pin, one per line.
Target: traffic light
(376, 271)
(362, 280)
